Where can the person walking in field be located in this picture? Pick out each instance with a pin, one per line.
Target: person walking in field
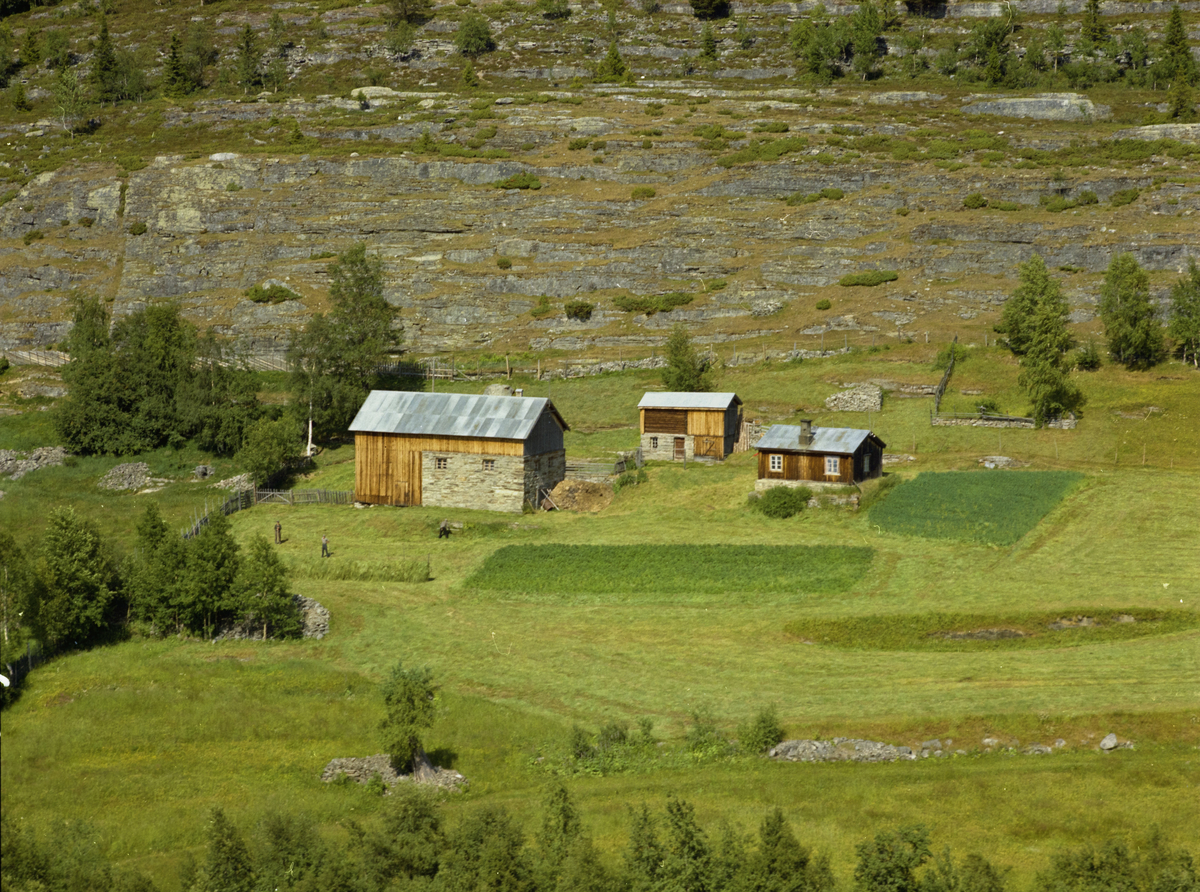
(278, 533)
(324, 546)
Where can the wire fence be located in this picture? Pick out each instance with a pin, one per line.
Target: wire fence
(248, 498)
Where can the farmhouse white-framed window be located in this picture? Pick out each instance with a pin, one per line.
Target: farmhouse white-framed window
(440, 463)
(489, 464)
(654, 442)
(776, 462)
(833, 464)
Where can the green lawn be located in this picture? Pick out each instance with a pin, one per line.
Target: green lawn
(140, 738)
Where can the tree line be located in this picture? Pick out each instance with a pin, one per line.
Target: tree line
(71, 590)
(667, 850)
(1034, 325)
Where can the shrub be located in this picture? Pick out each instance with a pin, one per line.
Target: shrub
(543, 309)
(974, 201)
(231, 186)
(3, 364)
(579, 310)
(474, 37)
(87, 221)
(653, 303)
(956, 351)
(765, 151)
(1087, 357)
(782, 502)
(271, 294)
(762, 733)
(771, 127)
(1124, 197)
(138, 228)
(832, 193)
(873, 493)
(901, 212)
(1087, 196)
(647, 144)
(523, 180)
(1005, 206)
(1057, 204)
(870, 278)
(988, 406)
(629, 478)
(641, 193)
(32, 236)
(504, 262)
(582, 143)
(824, 304)
(599, 145)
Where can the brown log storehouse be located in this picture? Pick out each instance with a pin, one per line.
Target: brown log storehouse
(679, 426)
(457, 450)
(821, 455)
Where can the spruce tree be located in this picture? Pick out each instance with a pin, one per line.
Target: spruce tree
(1093, 28)
(686, 853)
(1044, 373)
(261, 593)
(643, 856)
(248, 59)
(888, 863)
(866, 28)
(1177, 62)
(612, 66)
(228, 868)
(1185, 314)
(176, 81)
(708, 43)
(407, 845)
(78, 580)
(1036, 288)
(104, 75)
(686, 371)
(208, 590)
(1135, 336)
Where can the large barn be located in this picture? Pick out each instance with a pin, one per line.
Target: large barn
(679, 426)
(457, 450)
(822, 455)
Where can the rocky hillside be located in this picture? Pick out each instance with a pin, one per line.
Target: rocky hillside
(752, 197)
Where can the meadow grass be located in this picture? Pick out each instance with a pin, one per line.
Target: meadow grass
(990, 507)
(619, 573)
(141, 738)
(972, 633)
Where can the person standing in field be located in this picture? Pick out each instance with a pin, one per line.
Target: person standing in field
(324, 546)
(444, 530)
(278, 533)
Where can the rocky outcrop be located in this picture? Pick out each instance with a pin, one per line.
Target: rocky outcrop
(1043, 107)
(363, 769)
(16, 465)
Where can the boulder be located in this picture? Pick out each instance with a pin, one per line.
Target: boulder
(1109, 742)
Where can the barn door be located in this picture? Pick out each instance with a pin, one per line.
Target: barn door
(708, 446)
(680, 451)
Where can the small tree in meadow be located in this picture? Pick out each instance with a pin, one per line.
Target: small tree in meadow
(474, 36)
(409, 708)
(686, 371)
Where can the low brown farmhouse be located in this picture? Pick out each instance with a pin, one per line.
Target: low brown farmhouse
(457, 450)
(680, 426)
(822, 455)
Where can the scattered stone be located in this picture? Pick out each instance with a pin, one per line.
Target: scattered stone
(1059, 743)
(316, 617)
(1074, 622)
(931, 745)
(1036, 749)
(203, 472)
(861, 398)
(497, 390)
(132, 475)
(895, 458)
(1109, 742)
(17, 464)
(238, 484)
(840, 749)
(362, 769)
(1001, 461)
(990, 742)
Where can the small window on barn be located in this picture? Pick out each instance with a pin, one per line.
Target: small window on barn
(654, 442)
(866, 463)
(489, 464)
(440, 463)
(776, 462)
(833, 464)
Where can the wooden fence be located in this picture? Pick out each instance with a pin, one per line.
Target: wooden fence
(248, 498)
(596, 470)
(941, 388)
(51, 358)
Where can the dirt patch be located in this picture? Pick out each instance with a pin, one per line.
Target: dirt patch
(1074, 622)
(582, 495)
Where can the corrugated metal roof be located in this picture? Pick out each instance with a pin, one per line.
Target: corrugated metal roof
(688, 400)
(786, 437)
(450, 415)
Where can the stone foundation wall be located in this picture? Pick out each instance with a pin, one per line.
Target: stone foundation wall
(1064, 424)
(765, 483)
(465, 484)
(665, 451)
(543, 473)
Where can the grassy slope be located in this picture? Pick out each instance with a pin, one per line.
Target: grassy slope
(140, 738)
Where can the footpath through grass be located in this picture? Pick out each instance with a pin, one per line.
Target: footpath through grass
(989, 507)
(624, 573)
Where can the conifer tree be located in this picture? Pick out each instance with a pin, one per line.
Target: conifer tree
(261, 592)
(1093, 28)
(228, 868)
(1036, 288)
(1185, 314)
(1135, 336)
(176, 82)
(866, 28)
(612, 67)
(248, 60)
(708, 43)
(1177, 62)
(78, 580)
(686, 371)
(686, 854)
(643, 856)
(409, 708)
(105, 75)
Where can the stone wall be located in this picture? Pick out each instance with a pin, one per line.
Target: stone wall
(1064, 424)
(665, 451)
(764, 483)
(543, 473)
(465, 484)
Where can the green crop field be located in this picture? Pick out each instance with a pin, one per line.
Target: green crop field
(533, 625)
(665, 572)
(990, 507)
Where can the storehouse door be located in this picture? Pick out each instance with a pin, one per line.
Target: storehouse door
(680, 452)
